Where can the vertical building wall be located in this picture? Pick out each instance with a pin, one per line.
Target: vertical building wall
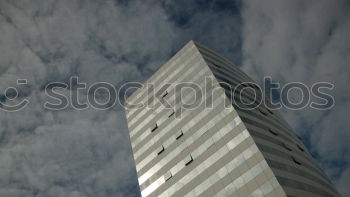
(219, 150)
(291, 163)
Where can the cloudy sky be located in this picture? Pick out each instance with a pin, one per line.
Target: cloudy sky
(73, 153)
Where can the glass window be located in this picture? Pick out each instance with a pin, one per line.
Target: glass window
(167, 176)
(171, 113)
(296, 161)
(188, 160)
(160, 149)
(179, 134)
(301, 139)
(300, 148)
(286, 146)
(165, 94)
(154, 127)
(218, 66)
(269, 111)
(255, 86)
(262, 112)
(250, 85)
(273, 132)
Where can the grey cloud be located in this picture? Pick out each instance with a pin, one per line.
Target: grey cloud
(80, 156)
(87, 153)
(70, 152)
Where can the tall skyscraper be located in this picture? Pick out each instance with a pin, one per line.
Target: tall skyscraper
(215, 147)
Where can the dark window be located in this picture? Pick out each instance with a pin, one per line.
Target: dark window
(188, 160)
(269, 110)
(167, 176)
(295, 160)
(179, 134)
(273, 132)
(286, 146)
(160, 149)
(171, 113)
(252, 85)
(218, 66)
(155, 127)
(301, 139)
(262, 112)
(300, 148)
(165, 93)
(255, 86)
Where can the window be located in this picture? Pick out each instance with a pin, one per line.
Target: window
(179, 134)
(301, 139)
(167, 176)
(171, 113)
(250, 85)
(255, 86)
(188, 160)
(262, 112)
(273, 132)
(155, 127)
(165, 94)
(269, 111)
(160, 150)
(295, 160)
(218, 66)
(286, 146)
(300, 148)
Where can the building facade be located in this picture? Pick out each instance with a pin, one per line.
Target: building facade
(215, 147)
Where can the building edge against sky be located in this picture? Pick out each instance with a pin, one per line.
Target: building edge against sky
(223, 150)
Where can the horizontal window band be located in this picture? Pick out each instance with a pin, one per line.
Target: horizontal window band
(274, 117)
(273, 151)
(170, 140)
(265, 125)
(193, 174)
(194, 136)
(167, 78)
(198, 152)
(302, 173)
(148, 116)
(268, 186)
(140, 96)
(308, 157)
(266, 138)
(212, 56)
(302, 186)
(145, 111)
(202, 111)
(194, 70)
(213, 181)
(137, 140)
(144, 174)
